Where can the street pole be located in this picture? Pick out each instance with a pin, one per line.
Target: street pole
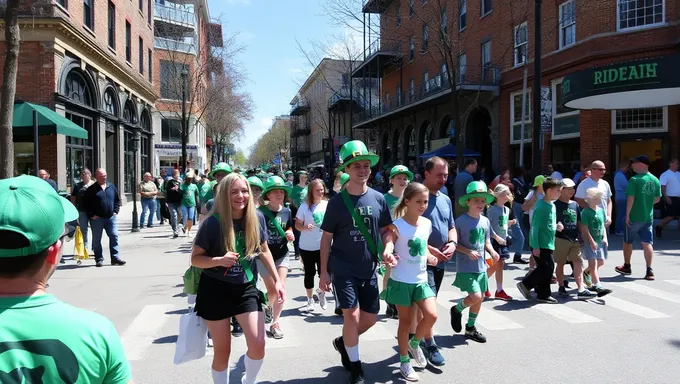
(537, 134)
(185, 134)
(135, 215)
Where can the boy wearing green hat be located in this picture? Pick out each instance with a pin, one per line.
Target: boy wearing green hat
(352, 228)
(474, 239)
(218, 173)
(44, 339)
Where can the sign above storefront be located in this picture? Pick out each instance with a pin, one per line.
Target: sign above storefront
(175, 150)
(645, 83)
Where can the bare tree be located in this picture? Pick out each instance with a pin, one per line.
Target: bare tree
(268, 145)
(8, 90)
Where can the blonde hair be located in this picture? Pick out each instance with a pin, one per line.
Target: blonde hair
(594, 193)
(412, 189)
(310, 194)
(251, 224)
(500, 190)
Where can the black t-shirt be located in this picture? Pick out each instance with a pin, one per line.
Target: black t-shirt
(78, 192)
(569, 214)
(278, 245)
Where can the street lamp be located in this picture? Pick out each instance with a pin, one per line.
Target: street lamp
(134, 144)
(184, 74)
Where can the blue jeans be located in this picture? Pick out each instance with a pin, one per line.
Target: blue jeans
(158, 209)
(111, 227)
(173, 208)
(83, 221)
(620, 223)
(188, 213)
(517, 230)
(148, 206)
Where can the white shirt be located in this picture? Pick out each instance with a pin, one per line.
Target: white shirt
(602, 185)
(411, 247)
(539, 196)
(672, 182)
(311, 240)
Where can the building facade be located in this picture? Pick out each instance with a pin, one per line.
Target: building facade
(88, 61)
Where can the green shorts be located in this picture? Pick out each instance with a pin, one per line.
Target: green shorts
(404, 294)
(472, 282)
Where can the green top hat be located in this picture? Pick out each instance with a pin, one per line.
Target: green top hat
(355, 150)
(344, 178)
(275, 182)
(476, 189)
(401, 170)
(31, 208)
(255, 181)
(220, 167)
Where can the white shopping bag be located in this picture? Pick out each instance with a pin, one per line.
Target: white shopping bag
(192, 340)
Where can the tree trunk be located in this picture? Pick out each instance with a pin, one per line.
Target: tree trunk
(8, 90)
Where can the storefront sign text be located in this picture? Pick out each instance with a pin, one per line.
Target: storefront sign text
(625, 73)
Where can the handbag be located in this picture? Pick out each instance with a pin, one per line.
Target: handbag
(376, 251)
(192, 340)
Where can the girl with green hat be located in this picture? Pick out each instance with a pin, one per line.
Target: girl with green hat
(279, 222)
(474, 239)
(256, 186)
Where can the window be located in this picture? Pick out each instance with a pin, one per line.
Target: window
(516, 117)
(141, 55)
(171, 80)
(426, 38)
(148, 14)
(387, 99)
(444, 72)
(411, 90)
(487, 7)
(397, 18)
(520, 34)
(88, 13)
(171, 130)
(411, 48)
(462, 15)
(566, 121)
(78, 151)
(62, 3)
(411, 10)
(128, 41)
(399, 95)
(486, 55)
(150, 63)
(640, 13)
(141, 5)
(462, 68)
(443, 24)
(426, 80)
(112, 25)
(641, 120)
(567, 23)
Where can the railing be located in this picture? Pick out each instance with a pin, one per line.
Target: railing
(181, 15)
(299, 127)
(174, 45)
(489, 76)
(377, 46)
(299, 104)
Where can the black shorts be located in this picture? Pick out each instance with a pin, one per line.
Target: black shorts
(435, 276)
(351, 292)
(672, 209)
(502, 250)
(218, 300)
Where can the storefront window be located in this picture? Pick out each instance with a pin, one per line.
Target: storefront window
(566, 121)
(129, 162)
(171, 130)
(640, 120)
(516, 117)
(78, 151)
(144, 148)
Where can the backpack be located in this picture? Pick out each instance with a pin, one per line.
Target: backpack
(173, 197)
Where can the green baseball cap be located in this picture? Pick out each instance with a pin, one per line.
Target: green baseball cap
(30, 207)
(255, 181)
(401, 170)
(476, 189)
(275, 182)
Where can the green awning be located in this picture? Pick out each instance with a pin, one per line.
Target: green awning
(49, 122)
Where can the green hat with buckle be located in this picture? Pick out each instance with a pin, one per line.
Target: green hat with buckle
(401, 170)
(30, 207)
(355, 150)
(273, 183)
(476, 189)
(255, 181)
(220, 167)
(344, 178)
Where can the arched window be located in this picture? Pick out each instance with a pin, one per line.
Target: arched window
(110, 105)
(412, 145)
(129, 115)
(427, 136)
(145, 122)
(77, 89)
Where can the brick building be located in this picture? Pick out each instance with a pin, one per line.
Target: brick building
(88, 61)
(493, 42)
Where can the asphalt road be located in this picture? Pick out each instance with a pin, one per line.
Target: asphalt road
(631, 336)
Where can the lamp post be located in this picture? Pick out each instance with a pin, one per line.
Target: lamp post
(134, 144)
(184, 74)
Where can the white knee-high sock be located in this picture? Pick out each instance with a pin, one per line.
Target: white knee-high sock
(220, 377)
(353, 352)
(252, 369)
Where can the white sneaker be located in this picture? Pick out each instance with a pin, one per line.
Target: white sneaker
(419, 359)
(309, 307)
(408, 372)
(322, 299)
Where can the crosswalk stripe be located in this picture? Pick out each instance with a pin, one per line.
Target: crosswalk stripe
(676, 282)
(143, 329)
(635, 309)
(640, 288)
(564, 313)
(490, 319)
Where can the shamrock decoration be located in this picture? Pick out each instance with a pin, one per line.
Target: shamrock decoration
(477, 236)
(416, 247)
(597, 225)
(318, 218)
(503, 221)
(569, 216)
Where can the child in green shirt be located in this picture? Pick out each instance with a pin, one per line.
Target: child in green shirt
(542, 243)
(594, 234)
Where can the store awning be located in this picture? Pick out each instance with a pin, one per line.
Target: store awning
(49, 122)
(644, 83)
(449, 150)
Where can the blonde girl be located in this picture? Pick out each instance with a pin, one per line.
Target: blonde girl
(501, 218)
(594, 235)
(224, 248)
(407, 239)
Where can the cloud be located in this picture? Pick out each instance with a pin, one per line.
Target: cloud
(266, 122)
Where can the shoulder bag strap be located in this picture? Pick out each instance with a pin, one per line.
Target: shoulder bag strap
(243, 260)
(272, 218)
(376, 251)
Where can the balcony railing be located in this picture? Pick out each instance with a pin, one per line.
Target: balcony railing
(180, 15)
(376, 6)
(299, 127)
(299, 107)
(377, 57)
(436, 86)
(174, 45)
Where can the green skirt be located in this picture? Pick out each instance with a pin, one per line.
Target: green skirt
(404, 294)
(472, 282)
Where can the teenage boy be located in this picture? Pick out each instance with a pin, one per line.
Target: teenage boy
(567, 241)
(542, 243)
(352, 228)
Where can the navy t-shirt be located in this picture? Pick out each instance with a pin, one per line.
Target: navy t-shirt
(349, 255)
(569, 214)
(440, 212)
(209, 237)
(278, 245)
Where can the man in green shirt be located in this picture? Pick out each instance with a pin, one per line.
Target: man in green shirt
(542, 243)
(643, 191)
(43, 340)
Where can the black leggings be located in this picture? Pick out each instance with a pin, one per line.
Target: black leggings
(312, 262)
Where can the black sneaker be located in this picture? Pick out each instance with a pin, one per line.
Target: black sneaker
(99, 264)
(456, 320)
(175, 235)
(623, 269)
(356, 373)
(395, 313)
(657, 231)
(118, 261)
(519, 260)
(338, 311)
(565, 283)
(562, 291)
(601, 291)
(547, 300)
(649, 275)
(389, 311)
(339, 346)
(236, 329)
(473, 334)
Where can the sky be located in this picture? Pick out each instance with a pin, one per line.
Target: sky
(276, 67)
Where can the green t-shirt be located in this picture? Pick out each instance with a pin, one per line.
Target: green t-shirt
(594, 220)
(205, 192)
(298, 194)
(645, 187)
(189, 198)
(43, 340)
(391, 201)
(542, 235)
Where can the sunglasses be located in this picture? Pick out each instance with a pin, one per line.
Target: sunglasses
(69, 232)
(600, 169)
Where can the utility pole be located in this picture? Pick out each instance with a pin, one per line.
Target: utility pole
(185, 128)
(537, 136)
